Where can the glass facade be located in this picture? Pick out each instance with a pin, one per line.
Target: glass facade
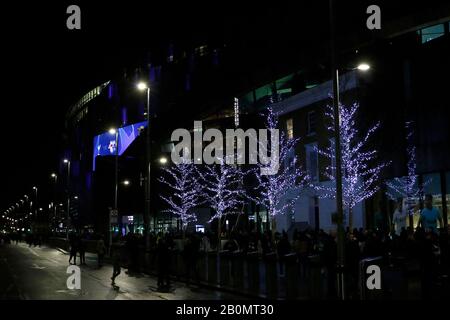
(430, 33)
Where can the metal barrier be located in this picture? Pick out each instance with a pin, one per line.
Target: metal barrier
(292, 278)
(270, 260)
(253, 263)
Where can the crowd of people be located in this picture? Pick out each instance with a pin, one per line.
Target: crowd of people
(426, 244)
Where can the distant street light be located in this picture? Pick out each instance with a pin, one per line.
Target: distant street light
(142, 86)
(126, 182)
(163, 160)
(363, 67)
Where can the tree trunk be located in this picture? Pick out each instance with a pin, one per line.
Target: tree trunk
(219, 231)
(350, 219)
(274, 227)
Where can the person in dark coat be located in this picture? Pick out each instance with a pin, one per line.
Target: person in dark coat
(116, 261)
(82, 250)
(73, 250)
(163, 255)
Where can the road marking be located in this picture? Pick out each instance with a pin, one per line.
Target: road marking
(35, 266)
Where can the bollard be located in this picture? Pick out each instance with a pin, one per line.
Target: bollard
(270, 261)
(212, 267)
(237, 270)
(224, 265)
(253, 272)
(292, 278)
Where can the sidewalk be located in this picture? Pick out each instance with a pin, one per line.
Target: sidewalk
(142, 286)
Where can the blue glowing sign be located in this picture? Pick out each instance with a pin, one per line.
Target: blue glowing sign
(105, 143)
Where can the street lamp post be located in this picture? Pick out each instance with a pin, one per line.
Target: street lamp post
(55, 179)
(338, 173)
(338, 155)
(36, 201)
(142, 86)
(116, 183)
(66, 161)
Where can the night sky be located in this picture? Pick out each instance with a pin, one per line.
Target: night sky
(46, 68)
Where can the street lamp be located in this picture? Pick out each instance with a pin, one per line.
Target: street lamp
(163, 160)
(126, 182)
(363, 67)
(143, 86)
(67, 162)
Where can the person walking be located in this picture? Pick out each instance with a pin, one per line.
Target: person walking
(100, 251)
(116, 261)
(163, 256)
(430, 215)
(73, 250)
(399, 218)
(82, 250)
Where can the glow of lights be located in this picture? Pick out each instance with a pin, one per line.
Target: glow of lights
(363, 67)
(182, 179)
(360, 168)
(236, 112)
(273, 190)
(142, 86)
(163, 160)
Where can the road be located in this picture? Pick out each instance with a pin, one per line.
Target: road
(39, 273)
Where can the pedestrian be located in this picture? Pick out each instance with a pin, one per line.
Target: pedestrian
(82, 250)
(73, 250)
(116, 261)
(430, 215)
(100, 251)
(163, 255)
(399, 217)
(283, 248)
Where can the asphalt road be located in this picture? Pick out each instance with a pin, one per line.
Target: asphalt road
(40, 273)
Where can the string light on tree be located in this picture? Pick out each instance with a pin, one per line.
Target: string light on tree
(360, 169)
(183, 181)
(407, 187)
(278, 192)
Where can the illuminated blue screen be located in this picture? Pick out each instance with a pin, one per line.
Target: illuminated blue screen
(105, 143)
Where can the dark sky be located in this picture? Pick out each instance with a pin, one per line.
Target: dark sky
(45, 67)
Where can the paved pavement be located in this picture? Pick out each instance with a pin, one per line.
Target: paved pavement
(39, 273)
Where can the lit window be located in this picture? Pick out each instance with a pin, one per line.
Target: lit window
(290, 128)
(431, 33)
(312, 122)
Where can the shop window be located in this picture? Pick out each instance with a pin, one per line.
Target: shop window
(430, 33)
